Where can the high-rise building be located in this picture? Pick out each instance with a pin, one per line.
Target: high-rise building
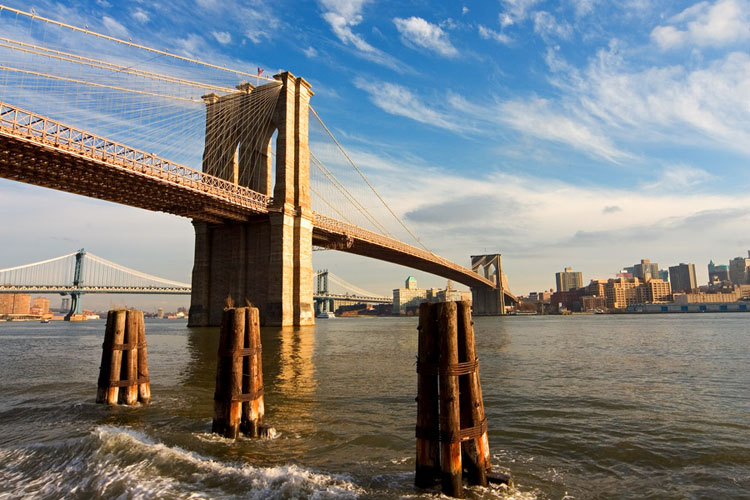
(596, 288)
(739, 270)
(682, 277)
(646, 270)
(717, 274)
(656, 290)
(568, 280)
(664, 274)
(622, 292)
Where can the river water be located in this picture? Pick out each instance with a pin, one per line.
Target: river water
(579, 407)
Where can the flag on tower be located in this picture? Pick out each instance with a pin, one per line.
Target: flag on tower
(260, 70)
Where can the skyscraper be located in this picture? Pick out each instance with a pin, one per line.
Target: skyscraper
(739, 270)
(717, 274)
(568, 280)
(682, 277)
(646, 270)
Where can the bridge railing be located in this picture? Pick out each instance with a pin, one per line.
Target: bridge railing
(93, 289)
(42, 129)
(343, 228)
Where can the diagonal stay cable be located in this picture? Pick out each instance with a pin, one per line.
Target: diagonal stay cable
(366, 181)
(324, 200)
(340, 186)
(129, 43)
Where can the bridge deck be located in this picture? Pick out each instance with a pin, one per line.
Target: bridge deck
(93, 289)
(38, 150)
(348, 238)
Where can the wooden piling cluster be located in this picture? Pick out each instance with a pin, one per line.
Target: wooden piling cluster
(451, 425)
(238, 400)
(123, 373)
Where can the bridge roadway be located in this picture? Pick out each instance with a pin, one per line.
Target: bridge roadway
(93, 289)
(38, 150)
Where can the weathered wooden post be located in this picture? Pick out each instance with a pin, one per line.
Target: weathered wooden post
(447, 360)
(227, 406)
(238, 400)
(450, 423)
(253, 407)
(129, 371)
(109, 370)
(476, 449)
(144, 383)
(123, 373)
(428, 446)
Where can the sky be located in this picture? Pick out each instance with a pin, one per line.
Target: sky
(580, 133)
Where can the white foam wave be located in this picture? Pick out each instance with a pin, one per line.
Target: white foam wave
(164, 471)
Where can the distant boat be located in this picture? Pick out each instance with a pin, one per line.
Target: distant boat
(325, 315)
(45, 320)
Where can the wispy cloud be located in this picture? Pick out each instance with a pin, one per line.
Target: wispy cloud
(583, 7)
(706, 105)
(516, 10)
(399, 100)
(140, 15)
(342, 16)
(222, 37)
(419, 32)
(548, 27)
(114, 28)
(489, 34)
(725, 22)
(679, 178)
(535, 117)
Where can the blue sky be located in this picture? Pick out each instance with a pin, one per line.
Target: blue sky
(578, 133)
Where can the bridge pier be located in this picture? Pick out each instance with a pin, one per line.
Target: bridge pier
(266, 260)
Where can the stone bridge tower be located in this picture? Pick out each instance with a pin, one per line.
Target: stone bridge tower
(267, 259)
(488, 301)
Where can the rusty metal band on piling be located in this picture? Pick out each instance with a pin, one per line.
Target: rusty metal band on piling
(464, 434)
(451, 369)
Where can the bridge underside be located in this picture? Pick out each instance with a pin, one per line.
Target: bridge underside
(47, 166)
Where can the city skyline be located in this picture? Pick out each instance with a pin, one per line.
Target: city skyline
(518, 127)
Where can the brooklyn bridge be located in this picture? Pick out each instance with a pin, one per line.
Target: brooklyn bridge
(261, 195)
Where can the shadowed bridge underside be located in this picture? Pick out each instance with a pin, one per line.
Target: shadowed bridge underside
(37, 150)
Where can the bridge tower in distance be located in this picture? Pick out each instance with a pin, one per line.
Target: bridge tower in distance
(488, 301)
(266, 260)
(76, 304)
(322, 285)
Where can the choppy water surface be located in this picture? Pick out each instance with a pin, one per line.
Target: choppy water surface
(578, 407)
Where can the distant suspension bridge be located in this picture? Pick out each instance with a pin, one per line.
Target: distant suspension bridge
(82, 272)
(79, 273)
(343, 292)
